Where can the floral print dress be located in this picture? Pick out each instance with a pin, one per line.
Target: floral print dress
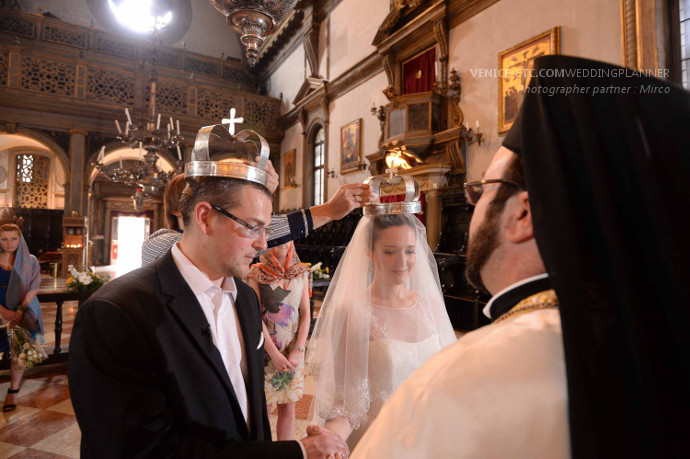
(280, 312)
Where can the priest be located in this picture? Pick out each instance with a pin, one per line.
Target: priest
(579, 234)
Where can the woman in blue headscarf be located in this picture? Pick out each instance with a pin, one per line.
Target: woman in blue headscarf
(20, 277)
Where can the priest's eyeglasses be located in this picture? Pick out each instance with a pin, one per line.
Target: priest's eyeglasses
(252, 231)
(474, 190)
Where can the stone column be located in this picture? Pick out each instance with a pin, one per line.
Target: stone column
(77, 157)
(431, 177)
(433, 217)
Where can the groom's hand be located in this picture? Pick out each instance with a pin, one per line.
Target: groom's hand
(323, 444)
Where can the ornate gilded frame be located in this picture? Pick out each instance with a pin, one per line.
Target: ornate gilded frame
(514, 66)
(351, 156)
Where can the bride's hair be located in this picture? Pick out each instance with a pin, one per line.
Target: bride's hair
(383, 222)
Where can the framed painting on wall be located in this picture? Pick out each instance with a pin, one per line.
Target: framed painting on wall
(515, 67)
(351, 146)
(290, 169)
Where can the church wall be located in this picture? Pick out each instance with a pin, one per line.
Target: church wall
(291, 198)
(208, 33)
(288, 79)
(324, 48)
(589, 28)
(353, 26)
(354, 105)
(72, 11)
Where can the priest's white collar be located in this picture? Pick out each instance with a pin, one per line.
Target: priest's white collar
(510, 288)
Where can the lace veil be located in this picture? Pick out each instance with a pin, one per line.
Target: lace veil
(349, 324)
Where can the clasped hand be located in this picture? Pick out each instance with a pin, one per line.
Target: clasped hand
(322, 444)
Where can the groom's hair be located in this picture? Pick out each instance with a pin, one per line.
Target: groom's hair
(221, 191)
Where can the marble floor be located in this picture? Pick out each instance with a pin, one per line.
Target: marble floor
(44, 425)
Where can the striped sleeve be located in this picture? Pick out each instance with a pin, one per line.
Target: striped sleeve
(158, 244)
(290, 227)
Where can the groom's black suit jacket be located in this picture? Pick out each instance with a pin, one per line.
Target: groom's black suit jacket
(147, 380)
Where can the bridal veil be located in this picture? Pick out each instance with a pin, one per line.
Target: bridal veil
(350, 324)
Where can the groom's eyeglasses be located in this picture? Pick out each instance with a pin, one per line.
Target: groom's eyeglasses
(252, 231)
(474, 190)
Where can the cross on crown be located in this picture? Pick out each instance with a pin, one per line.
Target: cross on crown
(391, 172)
(232, 121)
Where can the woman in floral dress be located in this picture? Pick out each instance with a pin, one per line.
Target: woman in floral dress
(282, 284)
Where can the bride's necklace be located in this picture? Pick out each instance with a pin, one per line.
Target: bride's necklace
(542, 300)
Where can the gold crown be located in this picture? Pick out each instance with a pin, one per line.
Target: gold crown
(217, 139)
(410, 205)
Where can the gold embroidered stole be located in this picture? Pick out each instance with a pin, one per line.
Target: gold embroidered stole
(542, 300)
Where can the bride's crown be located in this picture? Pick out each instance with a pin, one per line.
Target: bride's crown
(217, 139)
(411, 204)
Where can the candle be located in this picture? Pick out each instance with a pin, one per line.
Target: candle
(467, 126)
(129, 119)
(119, 157)
(141, 152)
(172, 123)
(477, 125)
(179, 154)
(127, 127)
(158, 123)
(117, 123)
(178, 127)
(101, 154)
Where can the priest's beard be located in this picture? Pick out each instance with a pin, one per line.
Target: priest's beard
(480, 248)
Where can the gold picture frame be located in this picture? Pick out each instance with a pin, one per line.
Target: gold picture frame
(351, 146)
(515, 66)
(290, 169)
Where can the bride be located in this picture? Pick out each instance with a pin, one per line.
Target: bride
(382, 318)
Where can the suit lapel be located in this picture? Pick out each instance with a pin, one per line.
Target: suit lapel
(251, 335)
(183, 304)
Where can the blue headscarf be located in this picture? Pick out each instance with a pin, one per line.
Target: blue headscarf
(26, 276)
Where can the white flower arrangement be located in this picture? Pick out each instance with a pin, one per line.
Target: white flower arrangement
(319, 273)
(24, 349)
(84, 281)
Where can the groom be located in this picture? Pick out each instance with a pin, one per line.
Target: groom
(168, 359)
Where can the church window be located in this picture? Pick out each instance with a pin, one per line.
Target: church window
(318, 170)
(167, 21)
(142, 16)
(685, 42)
(32, 180)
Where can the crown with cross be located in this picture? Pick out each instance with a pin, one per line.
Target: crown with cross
(411, 204)
(241, 149)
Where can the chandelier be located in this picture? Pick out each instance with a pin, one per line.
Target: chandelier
(140, 200)
(254, 20)
(151, 140)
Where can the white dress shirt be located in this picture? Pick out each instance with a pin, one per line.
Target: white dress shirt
(217, 300)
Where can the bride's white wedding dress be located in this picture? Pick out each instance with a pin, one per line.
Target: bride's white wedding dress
(402, 339)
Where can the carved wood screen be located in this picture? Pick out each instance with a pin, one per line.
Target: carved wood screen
(31, 181)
